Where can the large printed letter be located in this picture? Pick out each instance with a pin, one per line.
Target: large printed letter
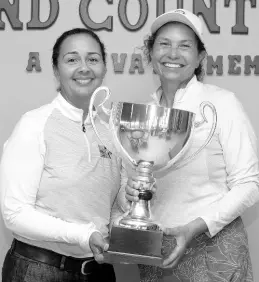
(160, 7)
(239, 27)
(211, 64)
(118, 65)
(12, 13)
(142, 18)
(233, 68)
(249, 63)
(209, 14)
(34, 62)
(136, 64)
(87, 21)
(35, 22)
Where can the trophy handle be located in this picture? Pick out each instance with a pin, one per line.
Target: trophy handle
(107, 112)
(203, 105)
(117, 143)
(108, 115)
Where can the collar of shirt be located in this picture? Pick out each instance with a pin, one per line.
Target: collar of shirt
(185, 98)
(71, 111)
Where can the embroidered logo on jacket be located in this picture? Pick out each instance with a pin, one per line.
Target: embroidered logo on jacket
(104, 152)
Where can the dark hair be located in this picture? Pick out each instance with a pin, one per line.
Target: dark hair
(149, 43)
(63, 36)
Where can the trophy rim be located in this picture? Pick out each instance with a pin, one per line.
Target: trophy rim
(134, 162)
(150, 105)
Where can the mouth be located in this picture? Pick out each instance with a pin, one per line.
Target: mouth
(83, 82)
(173, 66)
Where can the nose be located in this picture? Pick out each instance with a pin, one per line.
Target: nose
(84, 67)
(173, 51)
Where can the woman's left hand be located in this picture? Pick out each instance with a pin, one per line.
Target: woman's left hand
(183, 236)
(132, 189)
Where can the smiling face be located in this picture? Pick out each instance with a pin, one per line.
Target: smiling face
(175, 55)
(80, 69)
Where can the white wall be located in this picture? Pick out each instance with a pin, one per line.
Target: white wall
(22, 91)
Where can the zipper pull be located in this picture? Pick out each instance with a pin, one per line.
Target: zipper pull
(83, 127)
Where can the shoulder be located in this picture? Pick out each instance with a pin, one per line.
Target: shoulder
(32, 122)
(28, 130)
(39, 113)
(215, 92)
(228, 106)
(220, 97)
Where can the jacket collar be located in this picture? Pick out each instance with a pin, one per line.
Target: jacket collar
(185, 97)
(71, 111)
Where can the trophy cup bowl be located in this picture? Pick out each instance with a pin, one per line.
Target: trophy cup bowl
(150, 139)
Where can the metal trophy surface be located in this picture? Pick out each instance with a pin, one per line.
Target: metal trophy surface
(150, 139)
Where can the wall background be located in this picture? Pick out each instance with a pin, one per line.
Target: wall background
(22, 91)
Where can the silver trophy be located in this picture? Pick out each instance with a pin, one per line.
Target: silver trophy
(151, 139)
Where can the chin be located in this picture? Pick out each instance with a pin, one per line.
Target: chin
(83, 94)
(84, 90)
(172, 77)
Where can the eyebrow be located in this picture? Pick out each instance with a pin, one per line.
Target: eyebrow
(163, 38)
(76, 53)
(184, 40)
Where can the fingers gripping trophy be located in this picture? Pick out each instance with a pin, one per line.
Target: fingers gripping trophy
(151, 139)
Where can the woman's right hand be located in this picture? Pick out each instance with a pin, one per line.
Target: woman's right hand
(98, 246)
(132, 189)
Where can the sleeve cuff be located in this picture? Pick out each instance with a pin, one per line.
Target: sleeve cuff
(213, 226)
(85, 231)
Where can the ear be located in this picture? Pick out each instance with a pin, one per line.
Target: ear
(57, 76)
(56, 73)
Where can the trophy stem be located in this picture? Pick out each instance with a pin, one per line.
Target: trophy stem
(139, 216)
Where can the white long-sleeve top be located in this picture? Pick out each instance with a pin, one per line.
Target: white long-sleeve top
(221, 182)
(57, 184)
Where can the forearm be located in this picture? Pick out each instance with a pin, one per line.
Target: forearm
(232, 205)
(197, 227)
(34, 225)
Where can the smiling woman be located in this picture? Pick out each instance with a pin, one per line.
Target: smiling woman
(180, 42)
(199, 204)
(57, 186)
(79, 65)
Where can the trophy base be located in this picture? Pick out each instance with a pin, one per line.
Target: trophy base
(115, 257)
(134, 246)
